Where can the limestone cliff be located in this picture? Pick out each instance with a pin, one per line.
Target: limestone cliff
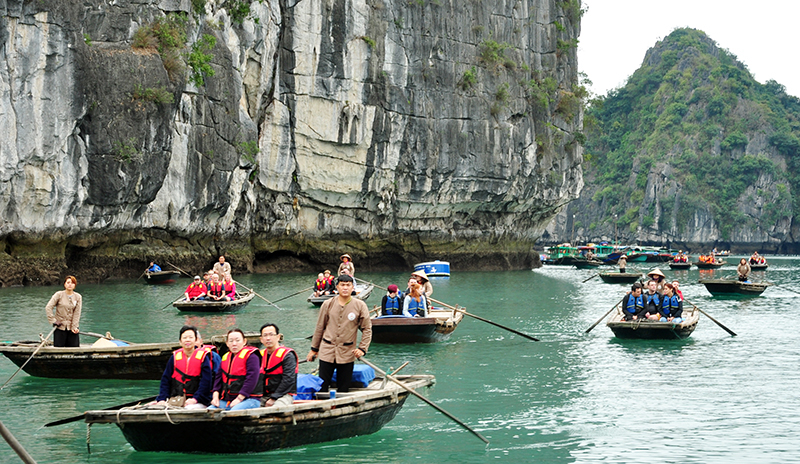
(394, 130)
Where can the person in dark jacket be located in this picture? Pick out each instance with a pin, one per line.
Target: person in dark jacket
(652, 301)
(633, 303)
(188, 373)
(278, 369)
(671, 305)
(392, 302)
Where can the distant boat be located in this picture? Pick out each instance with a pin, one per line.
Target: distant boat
(161, 277)
(705, 265)
(680, 266)
(361, 411)
(211, 306)
(587, 263)
(364, 291)
(434, 268)
(620, 277)
(734, 287)
(759, 267)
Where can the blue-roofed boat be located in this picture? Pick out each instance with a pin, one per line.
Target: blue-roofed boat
(434, 268)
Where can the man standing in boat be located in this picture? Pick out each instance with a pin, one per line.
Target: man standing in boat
(221, 267)
(336, 334)
(278, 369)
(623, 261)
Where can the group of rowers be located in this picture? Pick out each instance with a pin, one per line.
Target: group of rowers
(660, 302)
(216, 284)
(197, 377)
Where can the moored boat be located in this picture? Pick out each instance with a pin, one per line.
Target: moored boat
(680, 266)
(436, 326)
(362, 411)
(620, 277)
(161, 277)
(652, 330)
(734, 287)
(434, 268)
(364, 291)
(209, 306)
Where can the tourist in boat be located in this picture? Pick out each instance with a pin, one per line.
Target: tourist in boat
(347, 263)
(422, 279)
(320, 285)
(230, 287)
(743, 270)
(336, 334)
(278, 369)
(153, 267)
(676, 289)
(331, 282)
(392, 302)
(671, 306)
(188, 373)
(215, 290)
(221, 267)
(633, 303)
(66, 318)
(651, 300)
(622, 262)
(236, 387)
(659, 278)
(213, 351)
(415, 304)
(196, 290)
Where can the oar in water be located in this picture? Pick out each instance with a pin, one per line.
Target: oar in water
(604, 316)
(250, 289)
(31, 357)
(143, 273)
(590, 278)
(431, 403)
(180, 270)
(81, 416)
(485, 320)
(15, 445)
(715, 321)
(295, 293)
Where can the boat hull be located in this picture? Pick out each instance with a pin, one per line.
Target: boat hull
(161, 277)
(652, 330)
(399, 329)
(709, 265)
(680, 266)
(138, 362)
(588, 264)
(434, 268)
(364, 291)
(734, 287)
(759, 267)
(214, 306)
(620, 277)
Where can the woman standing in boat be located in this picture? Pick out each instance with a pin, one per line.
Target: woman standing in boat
(67, 304)
(236, 385)
(347, 263)
(188, 373)
(743, 269)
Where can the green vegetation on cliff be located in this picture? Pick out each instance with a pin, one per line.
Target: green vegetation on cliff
(693, 117)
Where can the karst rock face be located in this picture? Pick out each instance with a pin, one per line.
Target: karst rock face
(396, 131)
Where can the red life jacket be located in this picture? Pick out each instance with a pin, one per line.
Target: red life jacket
(186, 372)
(272, 367)
(233, 371)
(321, 284)
(195, 290)
(217, 290)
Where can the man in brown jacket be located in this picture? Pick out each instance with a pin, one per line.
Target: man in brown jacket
(336, 334)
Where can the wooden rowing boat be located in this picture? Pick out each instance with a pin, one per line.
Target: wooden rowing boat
(734, 287)
(364, 291)
(208, 306)
(587, 263)
(651, 330)
(680, 266)
(143, 361)
(161, 277)
(716, 265)
(437, 326)
(620, 277)
(759, 267)
(362, 411)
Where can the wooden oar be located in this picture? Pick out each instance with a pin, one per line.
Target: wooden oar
(180, 270)
(590, 278)
(485, 320)
(143, 273)
(81, 416)
(431, 403)
(715, 321)
(250, 289)
(97, 335)
(295, 293)
(783, 288)
(604, 316)
(15, 445)
(31, 357)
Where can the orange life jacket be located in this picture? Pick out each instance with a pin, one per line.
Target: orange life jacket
(233, 371)
(272, 367)
(186, 372)
(217, 290)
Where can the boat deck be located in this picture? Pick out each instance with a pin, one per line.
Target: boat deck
(653, 329)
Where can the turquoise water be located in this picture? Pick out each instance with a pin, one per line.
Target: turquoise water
(572, 397)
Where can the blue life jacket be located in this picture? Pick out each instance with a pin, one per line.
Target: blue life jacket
(653, 299)
(415, 306)
(634, 304)
(670, 305)
(393, 306)
(154, 268)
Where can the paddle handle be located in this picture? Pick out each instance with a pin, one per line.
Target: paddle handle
(714, 320)
(418, 395)
(15, 445)
(484, 320)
